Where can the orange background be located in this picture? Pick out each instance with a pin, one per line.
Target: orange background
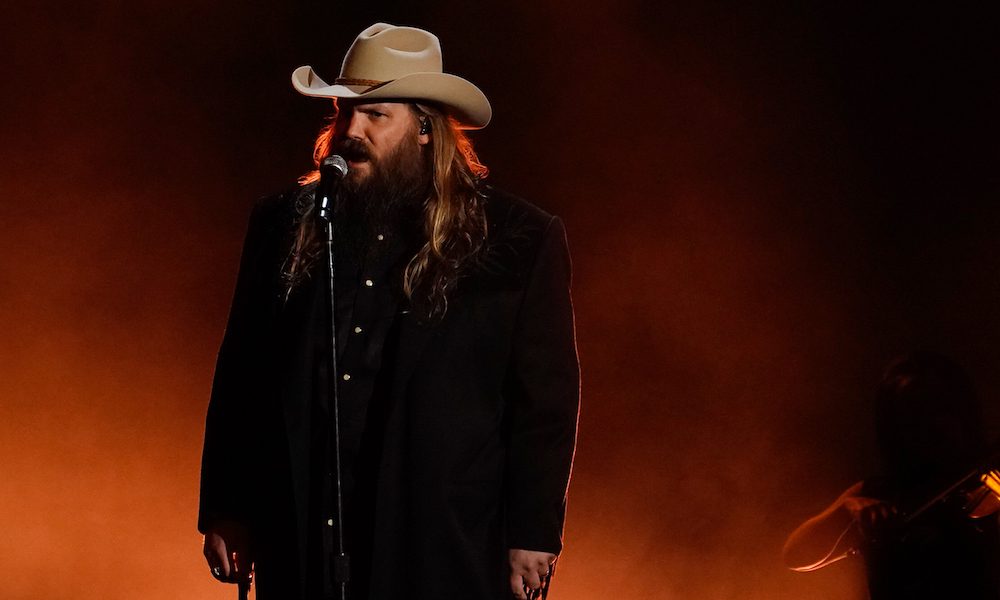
(765, 204)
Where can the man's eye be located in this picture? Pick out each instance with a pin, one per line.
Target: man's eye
(375, 113)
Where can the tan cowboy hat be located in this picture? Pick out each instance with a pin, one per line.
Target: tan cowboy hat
(389, 62)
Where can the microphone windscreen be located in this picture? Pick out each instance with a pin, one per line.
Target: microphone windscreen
(335, 165)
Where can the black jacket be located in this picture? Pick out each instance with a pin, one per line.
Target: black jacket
(480, 428)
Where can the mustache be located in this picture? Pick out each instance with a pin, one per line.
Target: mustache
(353, 150)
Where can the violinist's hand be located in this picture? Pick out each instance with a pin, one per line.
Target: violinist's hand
(227, 550)
(527, 569)
(870, 514)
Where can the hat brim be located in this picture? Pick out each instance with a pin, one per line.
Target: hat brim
(467, 102)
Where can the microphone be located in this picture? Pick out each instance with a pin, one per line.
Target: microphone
(331, 171)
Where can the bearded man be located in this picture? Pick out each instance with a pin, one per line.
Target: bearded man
(457, 378)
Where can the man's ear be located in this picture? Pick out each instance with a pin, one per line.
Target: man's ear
(424, 135)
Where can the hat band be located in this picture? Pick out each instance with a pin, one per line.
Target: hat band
(370, 83)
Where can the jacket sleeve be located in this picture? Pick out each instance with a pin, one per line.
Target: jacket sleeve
(226, 466)
(543, 391)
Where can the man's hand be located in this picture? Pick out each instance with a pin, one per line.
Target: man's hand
(227, 550)
(871, 515)
(527, 570)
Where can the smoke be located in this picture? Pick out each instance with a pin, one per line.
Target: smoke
(751, 243)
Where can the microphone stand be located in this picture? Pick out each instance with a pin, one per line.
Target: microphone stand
(332, 170)
(243, 587)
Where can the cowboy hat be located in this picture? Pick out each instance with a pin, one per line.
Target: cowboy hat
(389, 62)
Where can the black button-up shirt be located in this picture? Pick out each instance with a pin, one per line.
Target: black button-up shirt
(368, 288)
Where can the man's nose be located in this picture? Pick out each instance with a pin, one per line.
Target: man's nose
(355, 127)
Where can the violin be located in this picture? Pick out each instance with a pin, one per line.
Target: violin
(977, 493)
(987, 499)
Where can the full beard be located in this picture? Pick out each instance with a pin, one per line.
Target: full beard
(388, 201)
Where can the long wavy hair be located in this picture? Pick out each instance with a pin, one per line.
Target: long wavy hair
(454, 221)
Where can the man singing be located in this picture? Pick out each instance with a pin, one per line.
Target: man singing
(457, 378)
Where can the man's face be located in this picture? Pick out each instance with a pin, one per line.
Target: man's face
(371, 136)
(389, 171)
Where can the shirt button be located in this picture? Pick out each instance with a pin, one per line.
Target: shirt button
(329, 522)
(380, 237)
(357, 330)
(347, 376)
(369, 282)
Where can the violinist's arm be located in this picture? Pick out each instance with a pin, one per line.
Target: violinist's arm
(829, 533)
